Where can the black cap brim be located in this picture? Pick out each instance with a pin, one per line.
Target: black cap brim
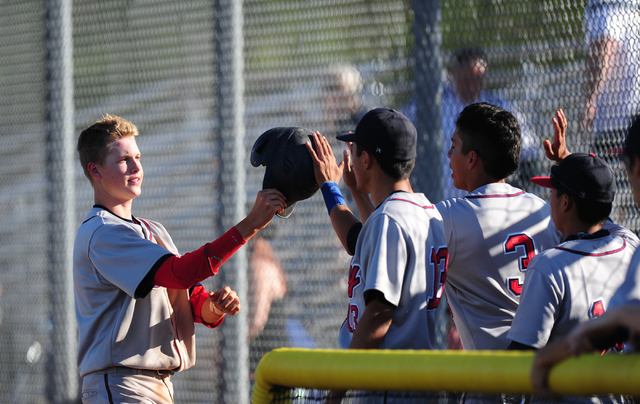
(347, 137)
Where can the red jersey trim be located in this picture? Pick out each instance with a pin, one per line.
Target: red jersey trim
(413, 203)
(495, 196)
(624, 245)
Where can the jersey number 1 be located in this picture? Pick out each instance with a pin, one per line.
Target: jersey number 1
(439, 263)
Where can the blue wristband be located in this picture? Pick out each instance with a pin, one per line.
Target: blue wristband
(332, 195)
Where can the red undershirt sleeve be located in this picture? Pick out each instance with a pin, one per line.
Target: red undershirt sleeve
(185, 271)
(198, 295)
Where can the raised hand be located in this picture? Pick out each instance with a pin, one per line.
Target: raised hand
(347, 171)
(325, 167)
(557, 151)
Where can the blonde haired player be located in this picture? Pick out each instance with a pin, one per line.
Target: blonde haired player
(136, 297)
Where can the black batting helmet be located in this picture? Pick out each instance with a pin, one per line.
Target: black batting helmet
(289, 166)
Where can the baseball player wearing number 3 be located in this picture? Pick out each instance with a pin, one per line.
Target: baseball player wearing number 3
(494, 231)
(136, 298)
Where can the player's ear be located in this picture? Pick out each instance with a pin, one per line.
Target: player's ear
(635, 167)
(567, 202)
(94, 171)
(368, 159)
(472, 159)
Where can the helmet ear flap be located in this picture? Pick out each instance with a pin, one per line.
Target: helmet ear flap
(258, 151)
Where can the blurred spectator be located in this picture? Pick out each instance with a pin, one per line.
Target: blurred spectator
(613, 93)
(344, 99)
(268, 283)
(467, 70)
(271, 323)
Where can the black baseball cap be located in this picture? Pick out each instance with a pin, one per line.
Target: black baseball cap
(386, 132)
(582, 175)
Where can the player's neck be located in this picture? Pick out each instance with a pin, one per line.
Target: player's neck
(475, 177)
(381, 189)
(482, 180)
(575, 227)
(122, 209)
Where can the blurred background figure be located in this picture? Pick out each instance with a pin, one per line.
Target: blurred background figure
(467, 72)
(344, 99)
(613, 89)
(268, 283)
(270, 329)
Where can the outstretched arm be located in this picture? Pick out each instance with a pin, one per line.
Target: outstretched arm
(268, 202)
(181, 272)
(557, 151)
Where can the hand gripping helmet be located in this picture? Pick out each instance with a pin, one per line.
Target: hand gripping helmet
(289, 166)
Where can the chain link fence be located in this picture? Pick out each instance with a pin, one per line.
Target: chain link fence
(165, 66)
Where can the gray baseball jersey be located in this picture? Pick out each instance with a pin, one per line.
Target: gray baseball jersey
(629, 291)
(111, 257)
(568, 284)
(400, 252)
(492, 234)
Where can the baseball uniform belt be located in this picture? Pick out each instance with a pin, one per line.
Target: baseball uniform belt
(123, 370)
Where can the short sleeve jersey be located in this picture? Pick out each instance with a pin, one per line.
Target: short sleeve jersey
(492, 234)
(629, 291)
(111, 257)
(568, 284)
(400, 252)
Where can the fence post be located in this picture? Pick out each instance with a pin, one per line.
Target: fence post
(428, 95)
(61, 366)
(230, 115)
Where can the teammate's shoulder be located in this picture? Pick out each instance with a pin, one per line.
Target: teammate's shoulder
(406, 205)
(547, 261)
(623, 232)
(407, 200)
(498, 191)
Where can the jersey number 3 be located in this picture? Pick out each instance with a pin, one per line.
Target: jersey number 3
(524, 244)
(439, 263)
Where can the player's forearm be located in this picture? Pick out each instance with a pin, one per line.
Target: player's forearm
(201, 306)
(341, 216)
(545, 359)
(373, 326)
(185, 271)
(342, 220)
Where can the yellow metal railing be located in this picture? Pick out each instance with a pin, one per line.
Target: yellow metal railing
(456, 371)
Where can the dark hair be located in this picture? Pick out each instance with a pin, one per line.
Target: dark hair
(396, 169)
(632, 141)
(494, 134)
(590, 212)
(466, 56)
